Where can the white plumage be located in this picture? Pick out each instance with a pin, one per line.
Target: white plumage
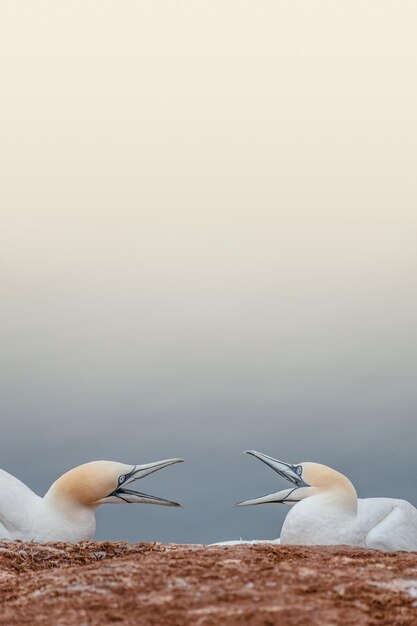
(67, 511)
(327, 510)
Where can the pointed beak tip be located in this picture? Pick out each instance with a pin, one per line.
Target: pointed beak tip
(252, 452)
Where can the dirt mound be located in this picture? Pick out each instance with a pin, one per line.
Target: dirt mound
(99, 583)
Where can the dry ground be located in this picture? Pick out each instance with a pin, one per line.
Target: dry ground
(99, 583)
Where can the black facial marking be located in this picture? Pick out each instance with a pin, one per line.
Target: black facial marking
(124, 477)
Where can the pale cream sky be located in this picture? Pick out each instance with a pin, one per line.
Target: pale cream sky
(208, 213)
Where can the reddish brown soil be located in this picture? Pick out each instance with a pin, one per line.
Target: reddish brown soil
(98, 583)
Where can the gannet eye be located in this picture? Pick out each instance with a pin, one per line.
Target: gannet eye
(122, 479)
(299, 470)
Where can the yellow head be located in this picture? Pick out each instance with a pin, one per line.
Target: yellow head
(308, 479)
(89, 483)
(99, 482)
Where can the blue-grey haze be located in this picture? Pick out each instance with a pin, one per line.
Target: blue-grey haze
(208, 244)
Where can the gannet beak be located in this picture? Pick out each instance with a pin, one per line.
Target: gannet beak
(286, 470)
(281, 497)
(138, 472)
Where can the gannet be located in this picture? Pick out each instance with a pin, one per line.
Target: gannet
(327, 510)
(66, 512)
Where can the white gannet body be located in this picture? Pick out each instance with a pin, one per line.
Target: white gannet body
(67, 511)
(327, 510)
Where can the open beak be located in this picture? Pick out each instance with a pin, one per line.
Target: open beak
(138, 472)
(287, 471)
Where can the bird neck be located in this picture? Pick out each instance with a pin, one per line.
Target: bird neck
(66, 520)
(342, 499)
(66, 505)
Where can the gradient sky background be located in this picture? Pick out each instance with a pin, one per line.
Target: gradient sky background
(208, 243)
